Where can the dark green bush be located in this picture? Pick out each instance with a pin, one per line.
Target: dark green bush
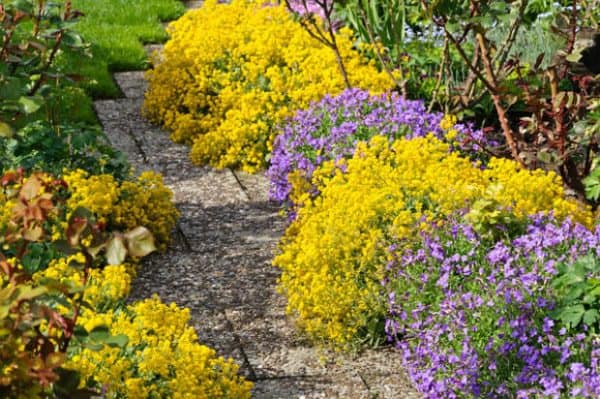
(40, 146)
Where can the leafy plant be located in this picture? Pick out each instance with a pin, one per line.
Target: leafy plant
(393, 28)
(592, 184)
(33, 32)
(477, 318)
(538, 108)
(40, 146)
(577, 288)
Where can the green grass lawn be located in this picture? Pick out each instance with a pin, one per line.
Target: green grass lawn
(117, 31)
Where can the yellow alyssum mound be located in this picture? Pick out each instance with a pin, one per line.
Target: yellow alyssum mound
(334, 254)
(162, 358)
(145, 201)
(232, 72)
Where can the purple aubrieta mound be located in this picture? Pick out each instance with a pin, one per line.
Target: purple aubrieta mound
(491, 331)
(330, 129)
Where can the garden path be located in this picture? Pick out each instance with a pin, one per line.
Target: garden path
(219, 267)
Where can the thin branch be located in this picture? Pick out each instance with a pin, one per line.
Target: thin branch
(465, 57)
(438, 84)
(507, 45)
(508, 132)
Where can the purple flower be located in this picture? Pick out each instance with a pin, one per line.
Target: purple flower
(491, 334)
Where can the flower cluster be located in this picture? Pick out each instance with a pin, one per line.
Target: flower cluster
(254, 66)
(477, 318)
(333, 255)
(147, 202)
(104, 289)
(330, 129)
(143, 202)
(162, 357)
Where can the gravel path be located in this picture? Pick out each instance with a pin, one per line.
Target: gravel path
(219, 267)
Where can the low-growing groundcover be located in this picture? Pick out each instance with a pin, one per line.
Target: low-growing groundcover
(231, 72)
(519, 317)
(71, 246)
(333, 255)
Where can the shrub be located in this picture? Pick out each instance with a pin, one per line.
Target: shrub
(161, 359)
(481, 318)
(333, 255)
(330, 129)
(33, 33)
(253, 67)
(39, 146)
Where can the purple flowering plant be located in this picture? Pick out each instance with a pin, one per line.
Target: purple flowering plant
(477, 316)
(329, 130)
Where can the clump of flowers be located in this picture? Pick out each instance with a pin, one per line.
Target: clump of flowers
(330, 129)
(253, 67)
(488, 318)
(147, 202)
(143, 202)
(162, 357)
(334, 254)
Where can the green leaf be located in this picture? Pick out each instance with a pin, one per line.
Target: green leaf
(567, 280)
(573, 293)
(6, 130)
(592, 185)
(29, 105)
(590, 317)
(72, 39)
(117, 341)
(571, 315)
(99, 334)
(26, 292)
(93, 346)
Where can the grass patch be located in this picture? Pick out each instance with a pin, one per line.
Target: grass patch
(117, 31)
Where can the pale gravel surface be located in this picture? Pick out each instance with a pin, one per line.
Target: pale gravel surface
(219, 267)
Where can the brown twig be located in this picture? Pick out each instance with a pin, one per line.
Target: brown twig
(509, 135)
(331, 42)
(49, 61)
(438, 84)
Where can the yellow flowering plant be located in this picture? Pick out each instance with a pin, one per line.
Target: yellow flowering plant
(162, 357)
(334, 254)
(145, 201)
(232, 72)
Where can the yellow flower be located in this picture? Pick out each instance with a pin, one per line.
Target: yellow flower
(162, 357)
(144, 202)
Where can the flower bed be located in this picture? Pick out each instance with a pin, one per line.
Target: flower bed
(330, 129)
(232, 72)
(71, 249)
(334, 254)
(66, 274)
